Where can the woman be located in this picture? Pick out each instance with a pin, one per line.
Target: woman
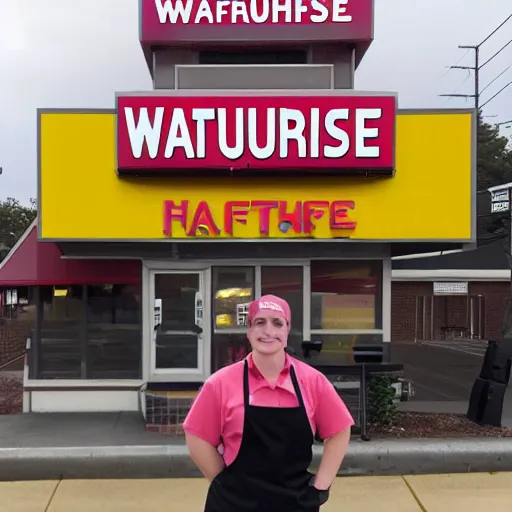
(262, 413)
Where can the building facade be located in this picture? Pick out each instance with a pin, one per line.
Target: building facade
(458, 296)
(252, 167)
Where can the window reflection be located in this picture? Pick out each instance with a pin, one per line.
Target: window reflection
(287, 283)
(178, 294)
(345, 294)
(345, 349)
(114, 331)
(62, 330)
(90, 332)
(233, 290)
(228, 349)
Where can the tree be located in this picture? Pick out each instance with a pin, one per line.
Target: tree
(494, 161)
(15, 218)
(494, 167)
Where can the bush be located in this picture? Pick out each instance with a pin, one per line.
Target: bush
(382, 410)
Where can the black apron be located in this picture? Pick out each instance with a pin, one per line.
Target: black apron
(270, 472)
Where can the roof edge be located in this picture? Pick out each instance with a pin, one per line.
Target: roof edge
(498, 275)
(20, 241)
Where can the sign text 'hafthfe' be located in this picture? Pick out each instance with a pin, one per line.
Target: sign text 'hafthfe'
(297, 218)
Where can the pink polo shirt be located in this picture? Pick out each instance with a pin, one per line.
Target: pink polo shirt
(217, 414)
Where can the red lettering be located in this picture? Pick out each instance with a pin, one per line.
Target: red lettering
(339, 215)
(313, 209)
(264, 208)
(173, 211)
(294, 218)
(301, 218)
(203, 222)
(235, 210)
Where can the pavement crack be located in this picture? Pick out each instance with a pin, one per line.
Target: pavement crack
(52, 496)
(414, 495)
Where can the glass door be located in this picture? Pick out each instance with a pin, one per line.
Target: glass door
(180, 334)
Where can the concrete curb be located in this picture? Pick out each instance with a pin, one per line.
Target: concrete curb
(379, 457)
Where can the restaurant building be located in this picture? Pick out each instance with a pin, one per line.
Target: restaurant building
(252, 167)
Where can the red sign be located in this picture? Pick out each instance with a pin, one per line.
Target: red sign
(298, 217)
(165, 21)
(254, 133)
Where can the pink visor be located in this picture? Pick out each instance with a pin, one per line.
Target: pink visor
(270, 303)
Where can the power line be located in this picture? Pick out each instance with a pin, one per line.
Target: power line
(497, 94)
(459, 86)
(449, 68)
(496, 54)
(474, 68)
(495, 30)
(494, 79)
(477, 67)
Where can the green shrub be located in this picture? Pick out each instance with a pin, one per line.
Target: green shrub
(382, 410)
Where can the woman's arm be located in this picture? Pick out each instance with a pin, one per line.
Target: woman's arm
(203, 430)
(334, 452)
(206, 457)
(334, 422)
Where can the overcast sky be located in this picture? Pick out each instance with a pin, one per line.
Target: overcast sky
(77, 53)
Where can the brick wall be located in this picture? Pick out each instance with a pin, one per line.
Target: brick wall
(403, 308)
(495, 296)
(447, 310)
(13, 338)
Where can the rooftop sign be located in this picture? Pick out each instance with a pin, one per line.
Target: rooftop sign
(178, 21)
(177, 134)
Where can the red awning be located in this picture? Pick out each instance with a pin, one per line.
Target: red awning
(32, 263)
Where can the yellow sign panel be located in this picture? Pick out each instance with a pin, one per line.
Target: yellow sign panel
(430, 197)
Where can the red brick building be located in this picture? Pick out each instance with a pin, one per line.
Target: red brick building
(452, 296)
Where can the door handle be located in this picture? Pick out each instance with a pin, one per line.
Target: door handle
(197, 329)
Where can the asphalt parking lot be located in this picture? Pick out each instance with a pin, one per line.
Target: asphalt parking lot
(440, 370)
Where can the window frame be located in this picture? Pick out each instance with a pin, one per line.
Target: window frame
(307, 332)
(34, 347)
(201, 371)
(379, 304)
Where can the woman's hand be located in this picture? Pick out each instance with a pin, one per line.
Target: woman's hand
(334, 452)
(206, 457)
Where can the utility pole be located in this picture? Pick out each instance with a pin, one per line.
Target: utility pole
(477, 68)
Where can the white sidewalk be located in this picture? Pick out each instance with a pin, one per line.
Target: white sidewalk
(435, 493)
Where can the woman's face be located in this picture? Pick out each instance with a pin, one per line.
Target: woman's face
(268, 333)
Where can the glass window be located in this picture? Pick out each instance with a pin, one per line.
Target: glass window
(346, 295)
(96, 338)
(176, 350)
(254, 57)
(228, 349)
(114, 331)
(233, 290)
(287, 282)
(346, 349)
(62, 332)
(17, 320)
(177, 341)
